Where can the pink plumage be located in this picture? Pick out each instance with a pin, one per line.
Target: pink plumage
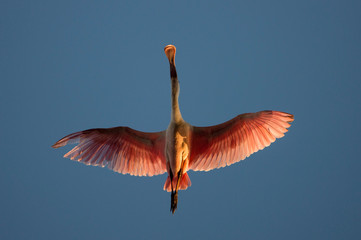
(181, 147)
(227, 143)
(122, 149)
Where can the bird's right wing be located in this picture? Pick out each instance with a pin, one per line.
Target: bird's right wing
(227, 143)
(123, 149)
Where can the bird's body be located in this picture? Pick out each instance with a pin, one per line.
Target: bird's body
(181, 147)
(177, 147)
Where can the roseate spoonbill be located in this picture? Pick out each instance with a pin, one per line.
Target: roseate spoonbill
(181, 147)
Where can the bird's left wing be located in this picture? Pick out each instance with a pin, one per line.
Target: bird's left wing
(224, 144)
(123, 149)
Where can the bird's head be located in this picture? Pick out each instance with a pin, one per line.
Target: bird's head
(169, 51)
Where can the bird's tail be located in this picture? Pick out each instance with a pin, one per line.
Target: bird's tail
(184, 183)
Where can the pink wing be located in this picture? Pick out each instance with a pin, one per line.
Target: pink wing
(123, 149)
(227, 143)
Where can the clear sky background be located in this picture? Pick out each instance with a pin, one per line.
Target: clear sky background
(67, 66)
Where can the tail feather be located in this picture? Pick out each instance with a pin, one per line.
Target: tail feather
(183, 184)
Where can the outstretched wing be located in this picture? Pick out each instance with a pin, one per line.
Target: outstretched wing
(123, 149)
(227, 143)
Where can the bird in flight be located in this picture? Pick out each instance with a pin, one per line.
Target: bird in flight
(181, 147)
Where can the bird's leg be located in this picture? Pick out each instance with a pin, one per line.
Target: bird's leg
(174, 196)
(180, 174)
(172, 207)
(171, 179)
(173, 201)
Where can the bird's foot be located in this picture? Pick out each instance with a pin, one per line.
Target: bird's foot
(174, 201)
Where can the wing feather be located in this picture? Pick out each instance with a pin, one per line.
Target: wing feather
(227, 143)
(122, 149)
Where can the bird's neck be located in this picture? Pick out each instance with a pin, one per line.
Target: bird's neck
(176, 115)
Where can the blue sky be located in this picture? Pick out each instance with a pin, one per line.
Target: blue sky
(67, 66)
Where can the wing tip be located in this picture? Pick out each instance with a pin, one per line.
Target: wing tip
(71, 138)
(62, 142)
(58, 144)
(290, 116)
